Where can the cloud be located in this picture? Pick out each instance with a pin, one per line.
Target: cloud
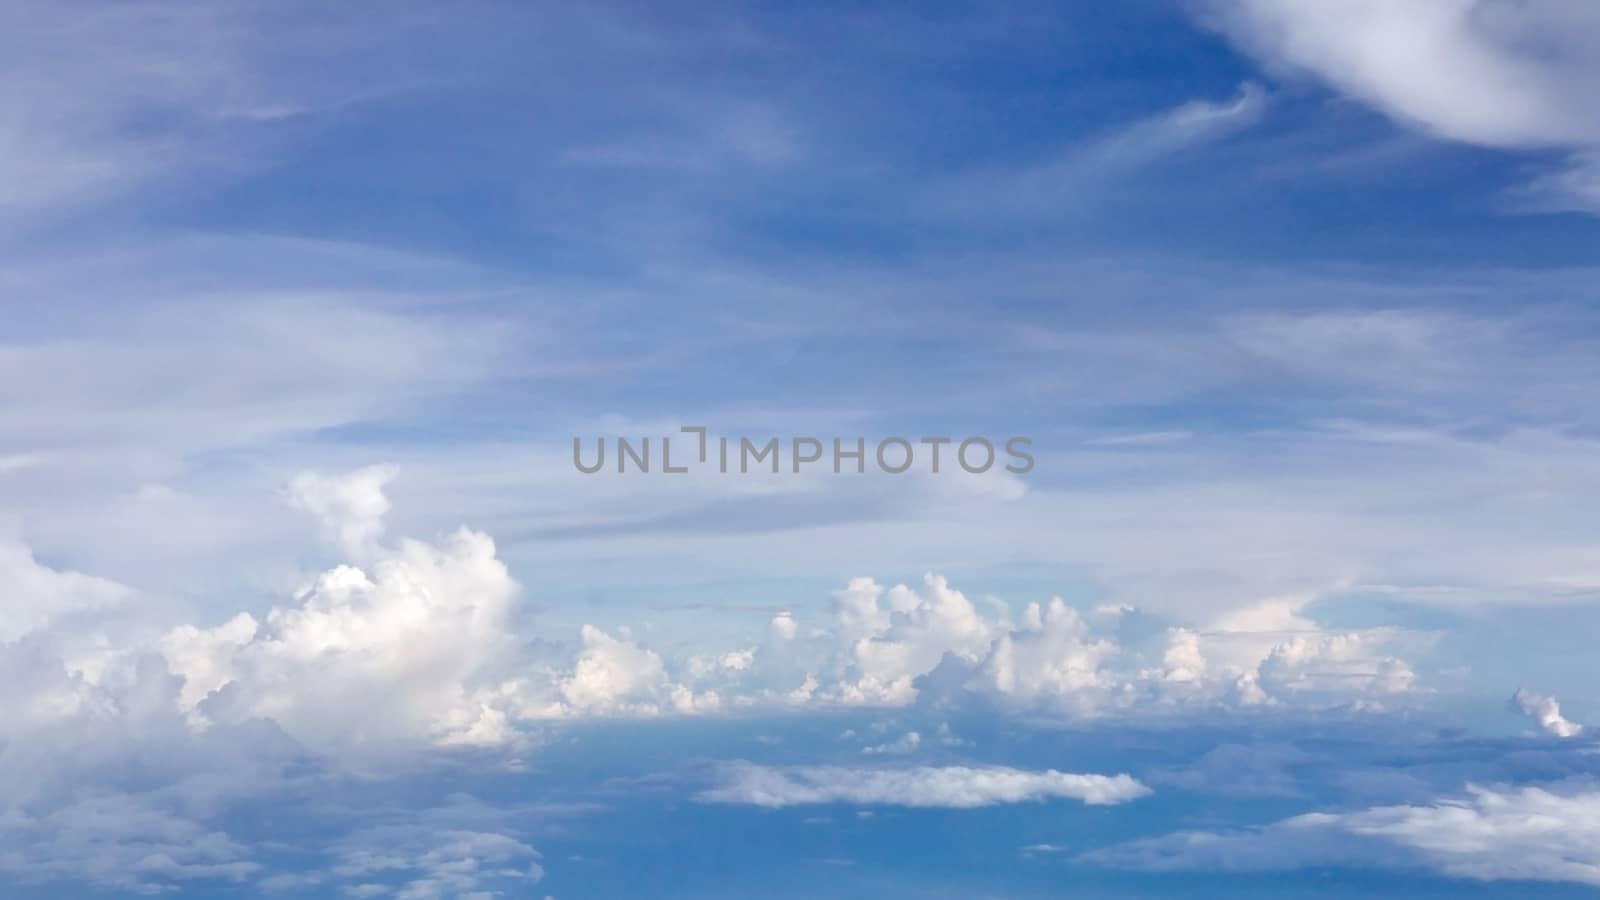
(1546, 712)
(159, 93)
(1052, 186)
(119, 841)
(1172, 130)
(37, 595)
(412, 652)
(609, 672)
(1052, 657)
(103, 781)
(1490, 834)
(350, 507)
(955, 787)
(1488, 72)
(420, 862)
(896, 635)
(906, 743)
(414, 644)
(1496, 73)
(1574, 187)
(897, 646)
(412, 648)
(782, 626)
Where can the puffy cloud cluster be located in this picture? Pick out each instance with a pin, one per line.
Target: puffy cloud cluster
(1489, 834)
(1271, 653)
(956, 787)
(894, 636)
(896, 646)
(1052, 656)
(413, 643)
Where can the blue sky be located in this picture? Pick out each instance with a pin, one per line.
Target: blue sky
(304, 307)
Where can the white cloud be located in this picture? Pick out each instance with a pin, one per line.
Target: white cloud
(957, 787)
(783, 626)
(413, 647)
(1170, 131)
(729, 662)
(609, 672)
(1052, 657)
(1054, 660)
(1490, 72)
(1498, 73)
(1053, 185)
(350, 506)
(900, 634)
(1546, 712)
(415, 644)
(35, 595)
(1490, 834)
(906, 743)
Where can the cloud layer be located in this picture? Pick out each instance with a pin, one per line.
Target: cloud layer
(957, 787)
(1490, 834)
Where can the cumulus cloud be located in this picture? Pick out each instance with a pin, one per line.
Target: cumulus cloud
(610, 671)
(1546, 712)
(1270, 653)
(410, 649)
(1490, 834)
(957, 787)
(899, 634)
(899, 645)
(413, 643)
(1053, 655)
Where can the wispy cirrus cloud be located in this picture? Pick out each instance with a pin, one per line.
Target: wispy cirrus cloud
(1063, 184)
